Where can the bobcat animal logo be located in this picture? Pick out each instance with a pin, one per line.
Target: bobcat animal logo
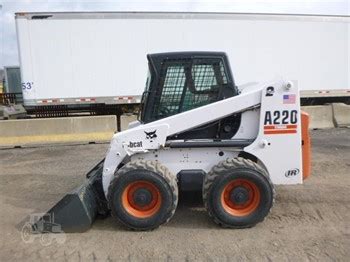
(151, 135)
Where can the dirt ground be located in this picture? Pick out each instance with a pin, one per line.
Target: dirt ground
(309, 222)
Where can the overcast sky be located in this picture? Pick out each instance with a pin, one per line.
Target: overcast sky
(8, 41)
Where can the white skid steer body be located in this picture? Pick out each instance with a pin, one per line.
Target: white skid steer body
(270, 123)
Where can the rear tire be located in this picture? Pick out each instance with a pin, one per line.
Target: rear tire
(143, 195)
(238, 193)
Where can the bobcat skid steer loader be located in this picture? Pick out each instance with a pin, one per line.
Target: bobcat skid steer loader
(196, 131)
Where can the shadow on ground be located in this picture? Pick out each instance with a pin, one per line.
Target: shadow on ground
(190, 212)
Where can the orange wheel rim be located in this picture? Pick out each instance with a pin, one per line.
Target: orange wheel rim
(141, 199)
(240, 197)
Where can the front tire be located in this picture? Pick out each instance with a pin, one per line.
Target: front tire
(143, 195)
(238, 193)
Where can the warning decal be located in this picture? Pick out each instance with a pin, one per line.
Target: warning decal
(280, 129)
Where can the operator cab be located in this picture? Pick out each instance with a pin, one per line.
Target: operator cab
(181, 81)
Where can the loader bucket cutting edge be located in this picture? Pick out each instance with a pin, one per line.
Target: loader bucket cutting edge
(77, 210)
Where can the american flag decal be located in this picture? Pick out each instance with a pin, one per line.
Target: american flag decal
(289, 99)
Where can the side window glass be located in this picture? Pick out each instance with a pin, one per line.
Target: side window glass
(203, 77)
(223, 73)
(205, 85)
(148, 81)
(188, 84)
(173, 87)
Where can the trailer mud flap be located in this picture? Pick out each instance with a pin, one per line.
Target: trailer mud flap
(76, 211)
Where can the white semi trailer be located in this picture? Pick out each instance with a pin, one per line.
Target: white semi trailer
(100, 58)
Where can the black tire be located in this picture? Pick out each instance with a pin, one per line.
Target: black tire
(227, 173)
(150, 172)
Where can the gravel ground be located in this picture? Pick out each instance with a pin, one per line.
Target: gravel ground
(309, 222)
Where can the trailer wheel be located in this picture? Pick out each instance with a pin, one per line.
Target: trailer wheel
(238, 193)
(143, 195)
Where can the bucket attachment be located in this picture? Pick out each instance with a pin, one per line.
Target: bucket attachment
(78, 209)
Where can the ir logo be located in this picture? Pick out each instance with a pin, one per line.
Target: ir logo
(292, 172)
